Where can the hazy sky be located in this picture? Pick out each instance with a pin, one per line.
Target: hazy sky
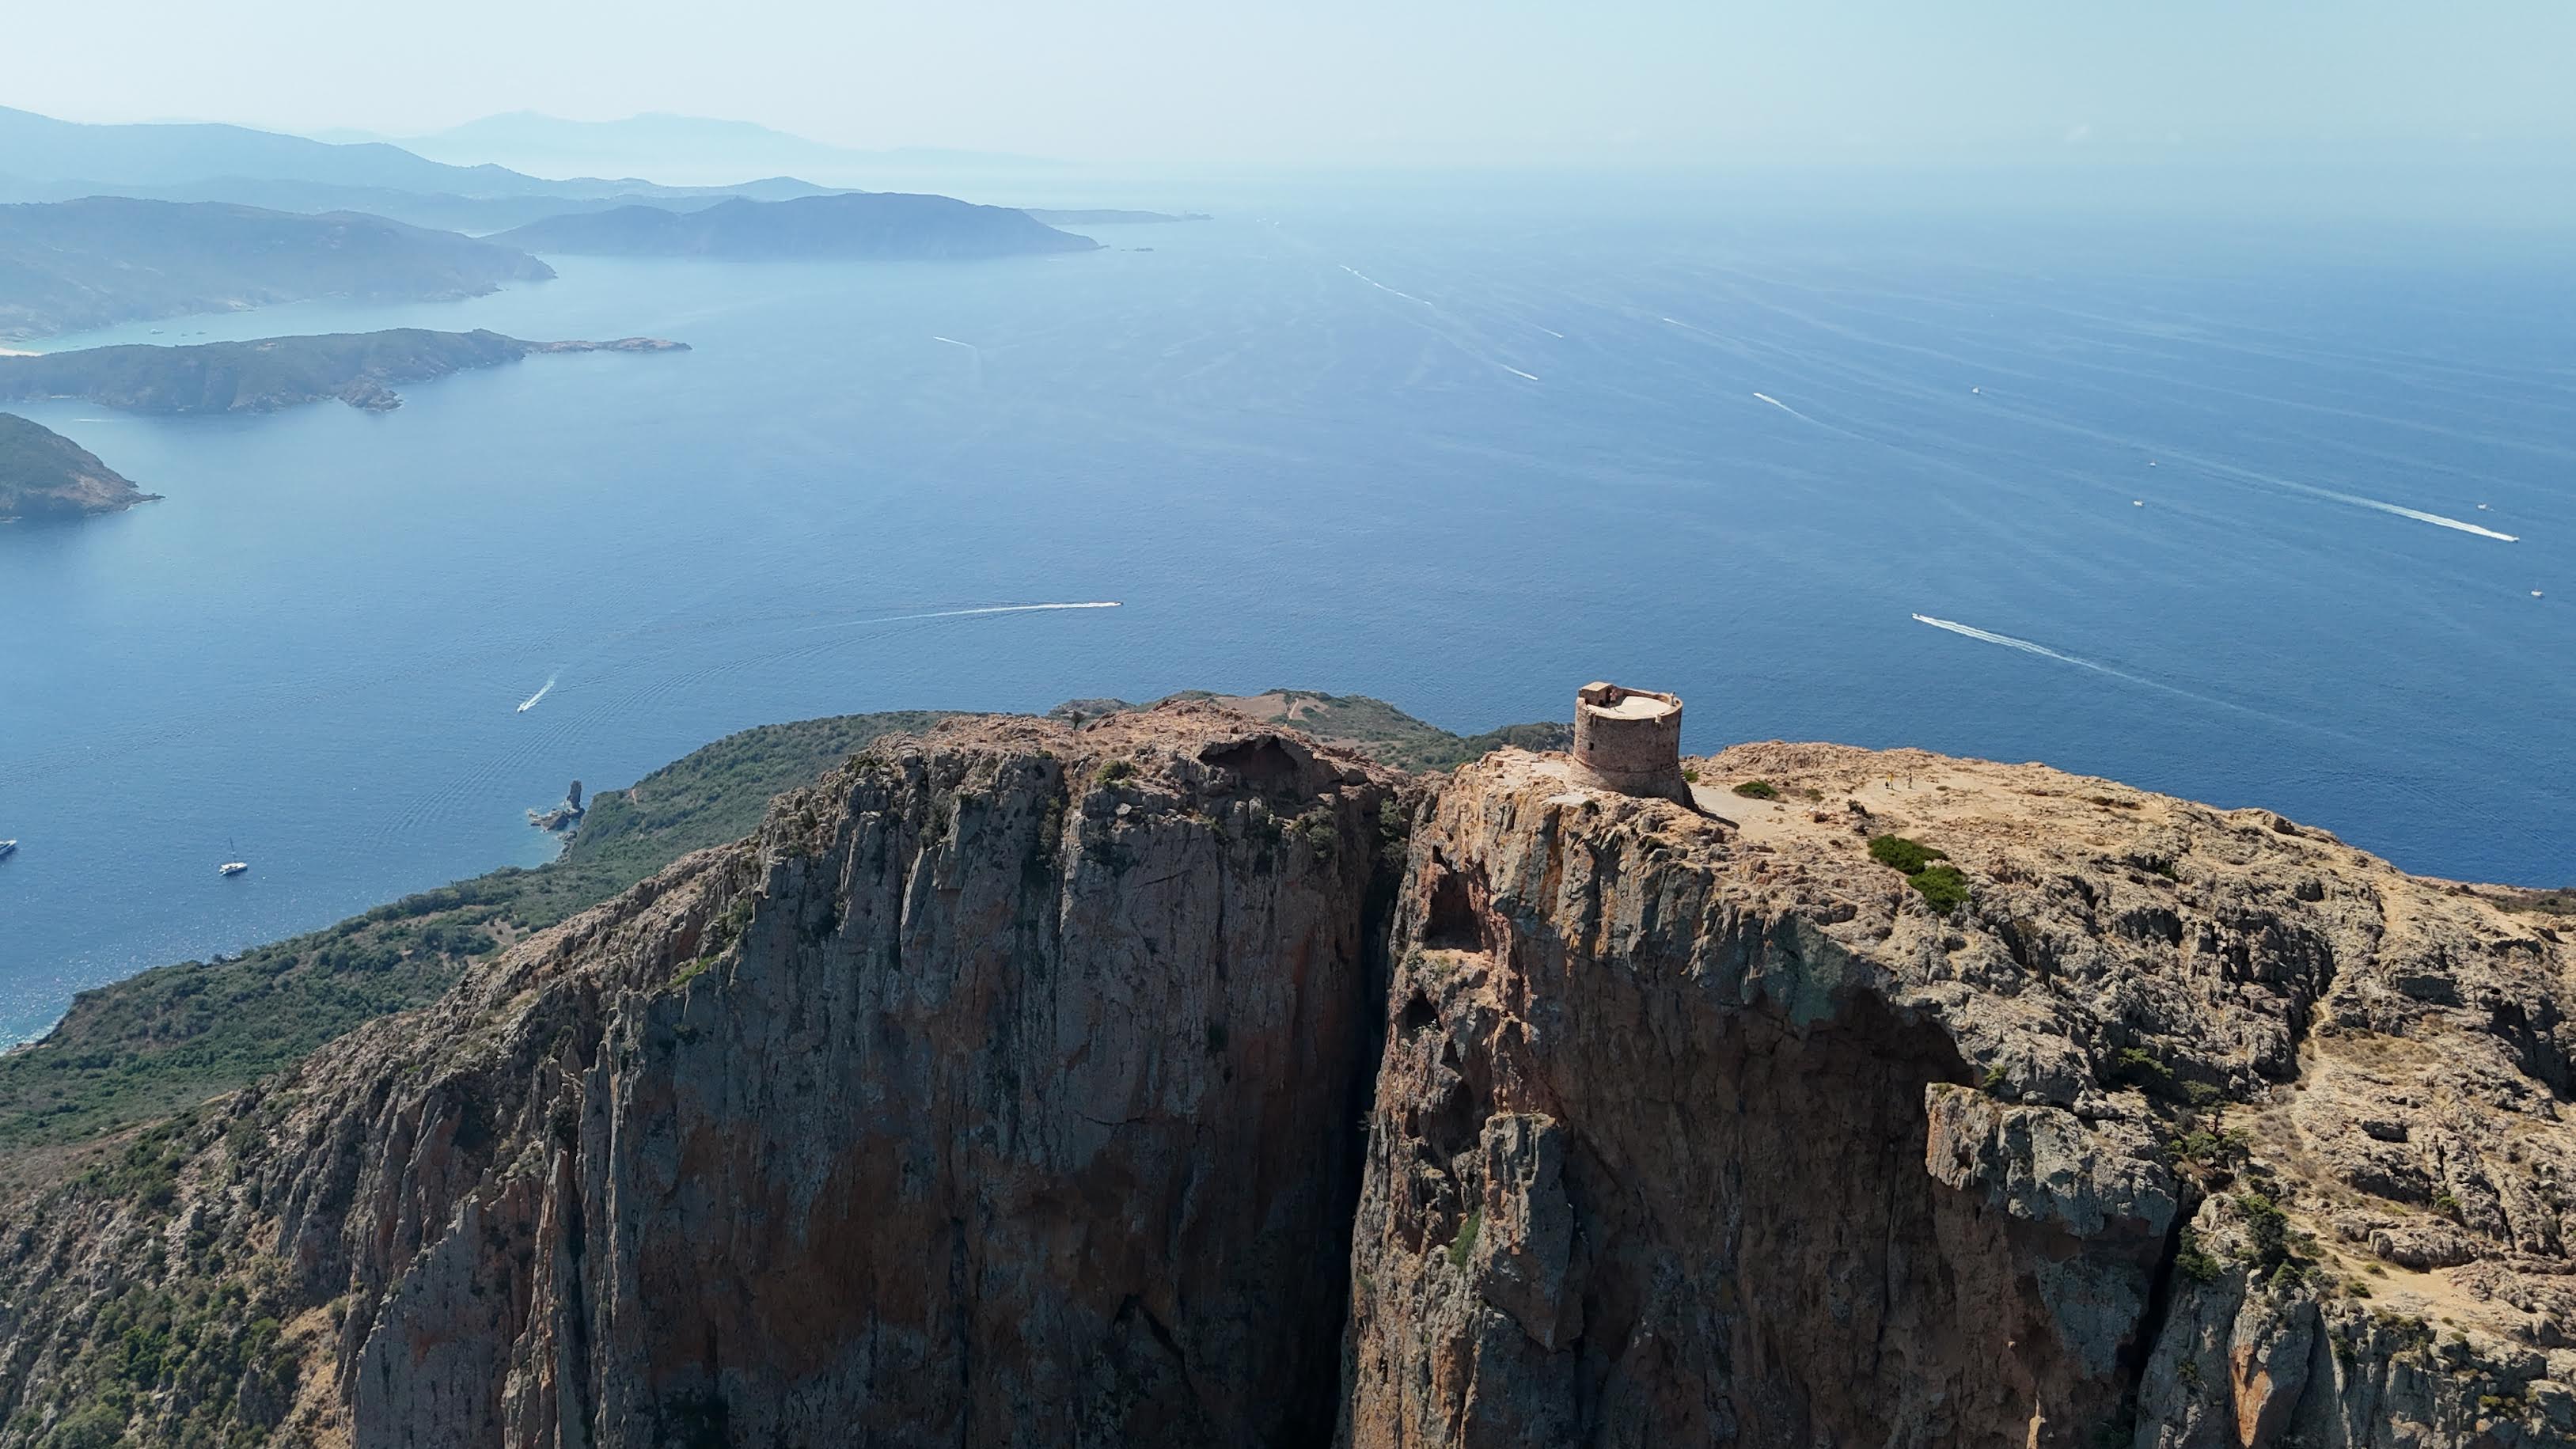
(1341, 80)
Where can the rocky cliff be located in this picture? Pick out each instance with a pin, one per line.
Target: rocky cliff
(2191, 1128)
(1001, 1090)
(1172, 1079)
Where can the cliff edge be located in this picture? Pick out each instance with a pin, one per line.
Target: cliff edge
(1175, 1079)
(2188, 1128)
(1001, 1089)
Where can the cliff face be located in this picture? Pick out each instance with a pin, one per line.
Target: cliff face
(1691, 1133)
(1173, 1080)
(1002, 1091)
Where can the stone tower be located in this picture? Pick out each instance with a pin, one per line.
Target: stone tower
(1630, 740)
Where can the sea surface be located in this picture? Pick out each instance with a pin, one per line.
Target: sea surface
(2214, 510)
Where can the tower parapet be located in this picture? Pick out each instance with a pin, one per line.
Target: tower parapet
(1630, 740)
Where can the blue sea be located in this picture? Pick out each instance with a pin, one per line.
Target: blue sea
(2275, 515)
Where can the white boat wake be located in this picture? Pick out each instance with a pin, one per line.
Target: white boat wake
(2419, 515)
(1784, 407)
(962, 613)
(1381, 286)
(1516, 372)
(542, 691)
(1988, 636)
(953, 342)
(2025, 646)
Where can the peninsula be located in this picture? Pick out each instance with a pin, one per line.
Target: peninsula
(358, 368)
(1182, 1076)
(846, 226)
(46, 475)
(71, 265)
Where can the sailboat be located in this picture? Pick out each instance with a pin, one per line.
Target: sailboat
(231, 867)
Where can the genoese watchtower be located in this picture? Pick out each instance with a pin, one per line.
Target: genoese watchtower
(1630, 740)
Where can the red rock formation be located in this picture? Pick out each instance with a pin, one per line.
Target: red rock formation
(1004, 1090)
(1013, 1087)
(1691, 1133)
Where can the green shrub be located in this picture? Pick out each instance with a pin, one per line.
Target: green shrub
(2194, 1262)
(2268, 1230)
(1760, 790)
(2137, 1067)
(1943, 888)
(1465, 1243)
(1117, 770)
(2198, 1145)
(93, 1426)
(1905, 857)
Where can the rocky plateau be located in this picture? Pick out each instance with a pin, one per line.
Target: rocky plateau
(1171, 1078)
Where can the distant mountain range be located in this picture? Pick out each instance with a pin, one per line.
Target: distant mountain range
(879, 226)
(40, 148)
(69, 266)
(670, 145)
(443, 211)
(204, 161)
(119, 223)
(74, 265)
(43, 159)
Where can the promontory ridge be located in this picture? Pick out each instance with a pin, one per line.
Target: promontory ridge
(868, 226)
(73, 265)
(1174, 1077)
(358, 368)
(46, 475)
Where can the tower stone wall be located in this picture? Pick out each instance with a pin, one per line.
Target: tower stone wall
(1630, 740)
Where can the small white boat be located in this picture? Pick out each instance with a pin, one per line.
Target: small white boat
(8, 848)
(232, 867)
